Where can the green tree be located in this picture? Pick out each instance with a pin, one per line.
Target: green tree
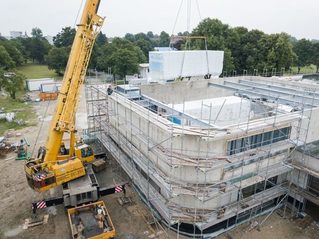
(57, 59)
(145, 46)
(36, 33)
(130, 37)
(125, 62)
(281, 54)
(65, 37)
(315, 59)
(38, 49)
(249, 51)
(228, 61)
(150, 34)
(164, 39)
(303, 49)
(141, 36)
(1, 79)
(6, 61)
(101, 39)
(19, 45)
(38, 46)
(14, 84)
(122, 56)
(13, 51)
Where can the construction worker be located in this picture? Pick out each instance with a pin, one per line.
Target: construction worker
(22, 149)
(109, 90)
(63, 150)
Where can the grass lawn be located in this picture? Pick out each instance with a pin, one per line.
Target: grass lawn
(35, 71)
(23, 111)
(305, 70)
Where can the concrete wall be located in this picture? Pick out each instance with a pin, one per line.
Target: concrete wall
(189, 171)
(177, 158)
(179, 92)
(310, 125)
(306, 161)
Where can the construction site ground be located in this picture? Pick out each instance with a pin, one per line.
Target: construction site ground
(132, 221)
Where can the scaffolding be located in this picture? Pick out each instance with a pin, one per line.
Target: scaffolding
(200, 178)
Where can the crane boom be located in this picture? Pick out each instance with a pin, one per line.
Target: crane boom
(64, 117)
(53, 165)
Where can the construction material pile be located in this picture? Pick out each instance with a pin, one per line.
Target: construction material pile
(6, 147)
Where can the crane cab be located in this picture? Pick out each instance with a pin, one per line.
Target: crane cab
(81, 151)
(84, 152)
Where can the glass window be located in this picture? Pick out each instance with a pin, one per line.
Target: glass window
(89, 196)
(251, 142)
(83, 196)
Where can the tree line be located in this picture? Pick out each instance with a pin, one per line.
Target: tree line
(256, 50)
(245, 50)
(249, 50)
(119, 56)
(17, 52)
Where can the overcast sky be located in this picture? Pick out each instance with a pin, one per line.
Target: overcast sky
(299, 18)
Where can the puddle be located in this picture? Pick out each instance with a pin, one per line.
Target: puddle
(13, 232)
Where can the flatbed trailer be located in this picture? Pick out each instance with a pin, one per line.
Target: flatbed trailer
(91, 221)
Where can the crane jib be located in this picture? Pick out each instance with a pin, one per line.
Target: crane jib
(64, 118)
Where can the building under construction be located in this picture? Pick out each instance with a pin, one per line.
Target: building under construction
(209, 154)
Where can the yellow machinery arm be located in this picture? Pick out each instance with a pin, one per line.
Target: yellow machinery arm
(53, 168)
(64, 118)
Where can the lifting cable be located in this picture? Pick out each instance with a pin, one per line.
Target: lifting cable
(188, 23)
(198, 9)
(47, 107)
(40, 129)
(177, 16)
(78, 13)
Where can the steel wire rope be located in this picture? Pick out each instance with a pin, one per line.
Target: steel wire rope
(78, 13)
(40, 129)
(177, 16)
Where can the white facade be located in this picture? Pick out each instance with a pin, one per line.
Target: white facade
(199, 171)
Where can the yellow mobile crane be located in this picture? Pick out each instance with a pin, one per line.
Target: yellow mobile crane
(55, 165)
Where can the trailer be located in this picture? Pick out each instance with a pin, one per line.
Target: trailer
(91, 221)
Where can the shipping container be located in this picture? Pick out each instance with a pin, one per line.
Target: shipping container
(35, 84)
(50, 87)
(45, 96)
(169, 65)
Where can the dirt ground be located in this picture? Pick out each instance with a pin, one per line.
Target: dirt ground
(275, 227)
(132, 221)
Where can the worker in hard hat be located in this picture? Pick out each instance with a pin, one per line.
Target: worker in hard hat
(63, 150)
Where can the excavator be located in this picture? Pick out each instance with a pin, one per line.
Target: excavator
(55, 164)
